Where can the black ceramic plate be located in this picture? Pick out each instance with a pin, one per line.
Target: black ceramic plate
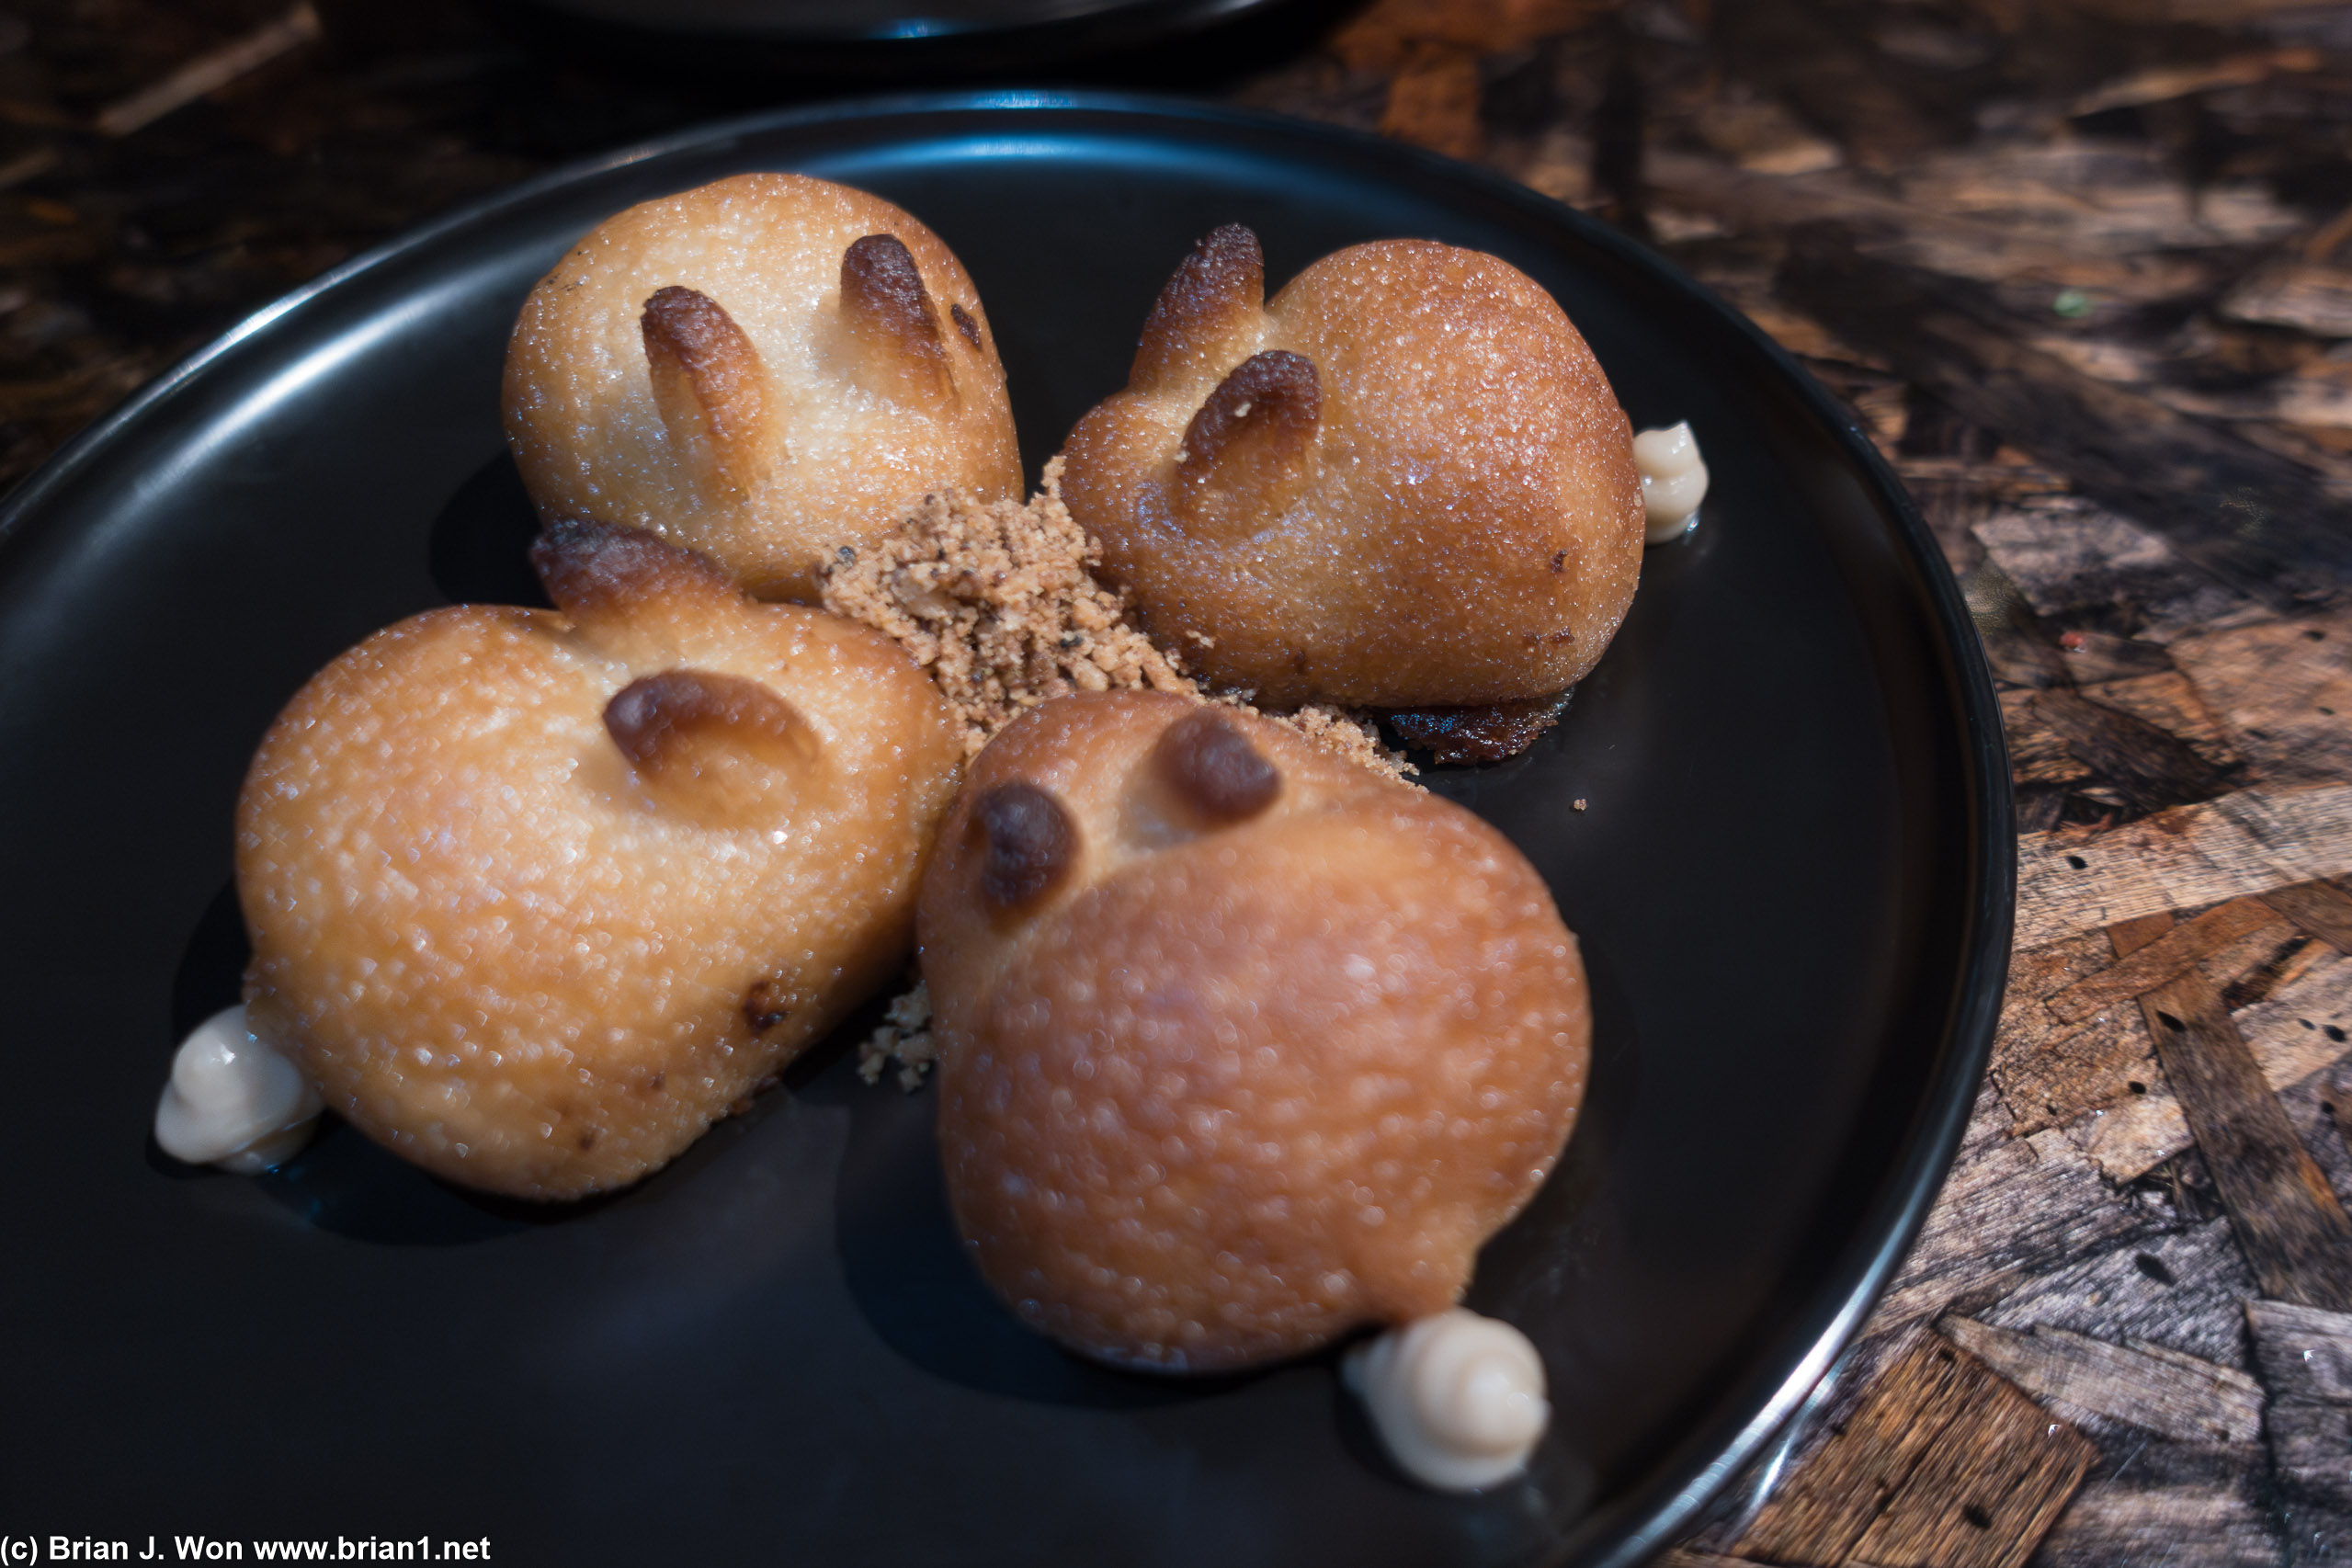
(926, 36)
(1791, 884)
(868, 21)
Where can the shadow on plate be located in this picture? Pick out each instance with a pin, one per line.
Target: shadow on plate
(906, 1269)
(480, 549)
(343, 1182)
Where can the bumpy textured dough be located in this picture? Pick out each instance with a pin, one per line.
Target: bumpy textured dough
(763, 370)
(537, 896)
(1401, 482)
(1241, 1045)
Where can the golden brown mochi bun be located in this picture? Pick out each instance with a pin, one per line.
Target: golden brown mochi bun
(1240, 1045)
(1401, 482)
(537, 896)
(763, 369)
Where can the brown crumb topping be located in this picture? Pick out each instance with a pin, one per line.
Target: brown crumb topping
(998, 602)
(905, 1036)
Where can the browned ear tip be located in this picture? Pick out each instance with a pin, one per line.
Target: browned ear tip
(966, 324)
(593, 569)
(685, 322)
(1227, 264)
(1214, 769)
(891, 324)
(1236, 242)
(722, 748)
(1245, 456)
(879, 269)
(1214, 291)
(1030, 845)
(1276, 394)
(650, 716)
(709, 386)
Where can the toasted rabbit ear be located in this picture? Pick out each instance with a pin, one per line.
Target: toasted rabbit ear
(724, 751)
(1206, 311)
(625, 587)
(1209, 765)
(1247, 453)
(709, 388)
(892, 328)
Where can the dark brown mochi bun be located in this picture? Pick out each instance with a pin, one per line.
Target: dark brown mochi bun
(1242, 1044)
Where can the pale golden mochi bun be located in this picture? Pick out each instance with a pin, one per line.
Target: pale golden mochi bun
(763, 369)
(537, 896)
(1402, 482)
(1241, 1045)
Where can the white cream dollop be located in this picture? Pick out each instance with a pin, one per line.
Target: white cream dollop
(1458, 1399)
(234, 1101)
(1674, 480)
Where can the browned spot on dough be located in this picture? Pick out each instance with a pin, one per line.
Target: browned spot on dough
(718, 748)
(1214, 769)
(965, 324)
(593, 569)
(767, 1004)
(879, 280)
(650, 716)
(587, 1139)
(708, 383)
(1032, 842)
(1559, 561)
(889, 313)
(1245, 452)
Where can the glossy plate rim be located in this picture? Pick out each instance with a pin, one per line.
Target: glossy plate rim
(894, 40)
(1694, 1470)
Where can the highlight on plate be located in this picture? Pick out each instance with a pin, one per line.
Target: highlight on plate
(1246, 1044)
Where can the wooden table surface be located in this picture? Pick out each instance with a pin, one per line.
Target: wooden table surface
(2083, 270)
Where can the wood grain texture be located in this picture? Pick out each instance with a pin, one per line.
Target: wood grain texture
(2183, 1289)
(2294, 1230)
(2320, 908)
(2049, 1072)
(2012, 1207)
(2166, 1391)
(2294, 1033)
(2070, 1055)
(2166, 699)
(2070, 880)
(2170, 1505)
(2268, 529)
(1944, 1465)
(2283, 691)
(2159, 962)
(2071, 560)
(2306, 1355)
